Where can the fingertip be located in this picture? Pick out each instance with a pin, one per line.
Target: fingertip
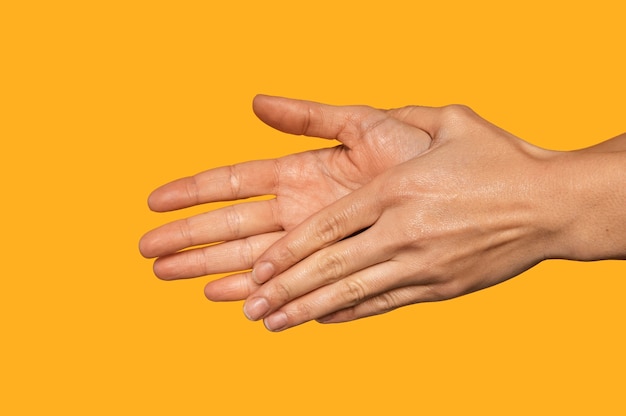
(180, 193)
(276, 322)
(267, 109)
(151, 202)
(158, 200)
(258, 103)
(164, 269)
(154, 244)
(234, 287)
(260, 97)
(210, 293)
(263, 272)
(220, 291)
(144, 246)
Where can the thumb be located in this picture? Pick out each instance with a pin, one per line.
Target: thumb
(343, 123)
(434, 120)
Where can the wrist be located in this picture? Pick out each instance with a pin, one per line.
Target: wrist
(588, 196)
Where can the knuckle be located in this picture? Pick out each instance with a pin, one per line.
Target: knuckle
(247, 252)
(455, 113)
(397, 187)
(233, 221)
(306, 121)
(457, 110)
(447, 289)
(184, 229)
(386, 302)
(234, 181)
(329, 229)
(349, 314)
(280, 292)
(354, 291)
(202, 260)
(331, 266)
(333, 227)
(303, 312)
(192, 190)
(285, 253)
(247, 285)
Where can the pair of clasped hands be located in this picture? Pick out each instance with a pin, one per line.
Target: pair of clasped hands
(415, 204)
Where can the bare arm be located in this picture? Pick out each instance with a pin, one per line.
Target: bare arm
(449, 203)
(616, 144)
(481, 206)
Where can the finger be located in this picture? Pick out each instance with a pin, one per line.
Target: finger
(424, 118)
(344, 123)
(435, 121)
(228, 183)
(226, 257)
(350, 214)
(382, 303)
(226, 224)
(231, 288)
(345, 293)
(322, 268)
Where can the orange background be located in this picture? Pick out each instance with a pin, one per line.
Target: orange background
(103, 101)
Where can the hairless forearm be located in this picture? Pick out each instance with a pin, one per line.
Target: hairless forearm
(616, 144)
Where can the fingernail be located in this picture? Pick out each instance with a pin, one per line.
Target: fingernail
(256, 308)
(325, 319)
(276, 322)
(263, 272)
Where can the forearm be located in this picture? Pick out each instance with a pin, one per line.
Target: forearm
(593, 201)
(616, 144)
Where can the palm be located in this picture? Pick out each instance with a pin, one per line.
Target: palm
(302, 173)
(303, 183)
(313, 180)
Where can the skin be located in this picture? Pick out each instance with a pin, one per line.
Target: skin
(371, 142)
(470, 207)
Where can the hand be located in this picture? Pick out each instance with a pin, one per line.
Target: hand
(372, 141)
(477, 208)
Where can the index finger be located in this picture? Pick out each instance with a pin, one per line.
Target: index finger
(350, 214)
(227, 183)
